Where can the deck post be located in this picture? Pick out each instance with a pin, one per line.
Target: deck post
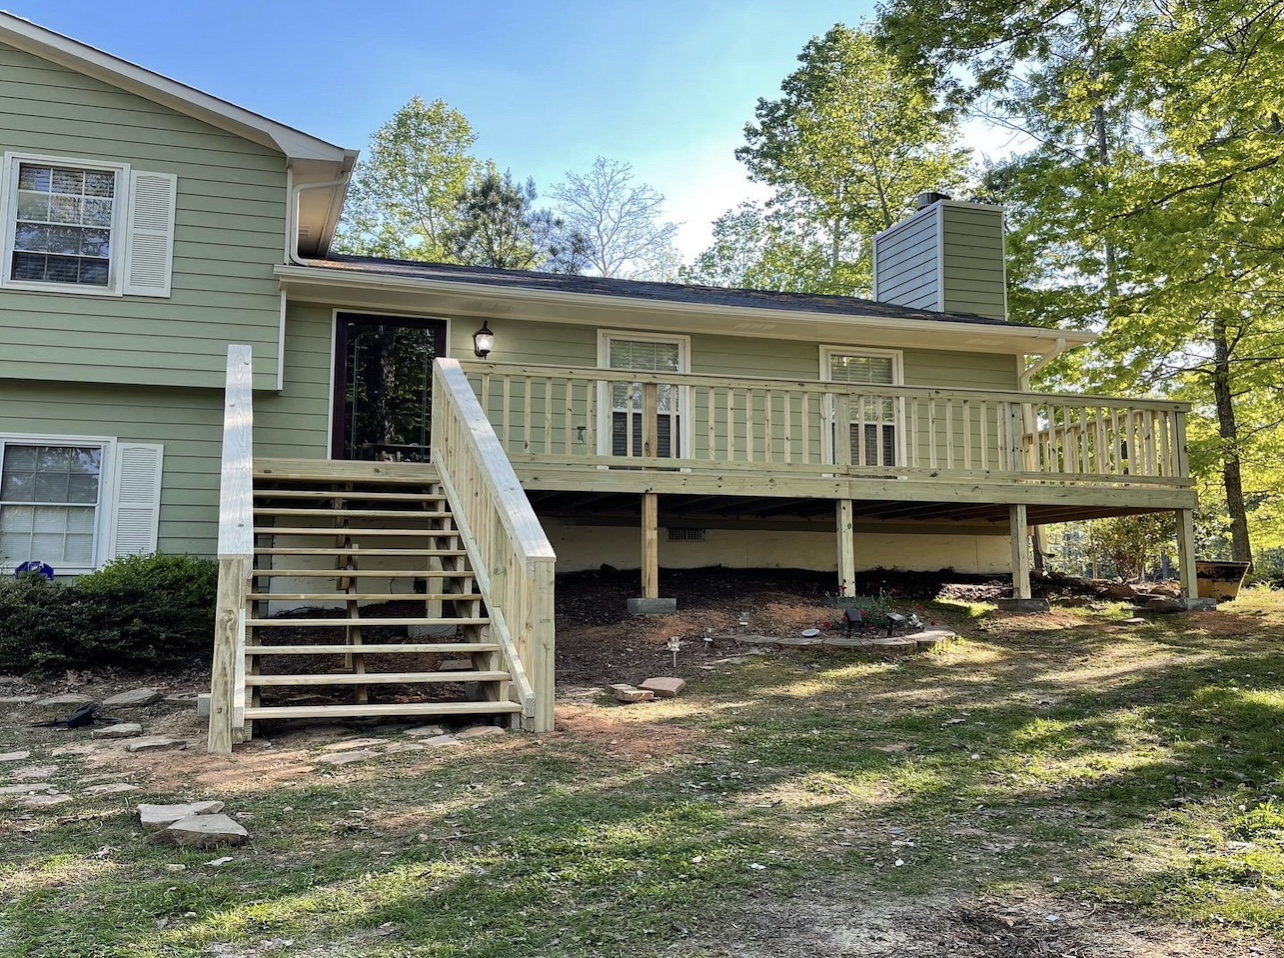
(1186, 554)
(1019, 530)
(650, 545)
(229, 643)
(846, 549)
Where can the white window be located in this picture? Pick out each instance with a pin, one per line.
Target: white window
(642, 353)
(875, 438)
(74, 503)
(75, 225)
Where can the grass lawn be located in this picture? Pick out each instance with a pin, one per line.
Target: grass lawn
(1057, 784)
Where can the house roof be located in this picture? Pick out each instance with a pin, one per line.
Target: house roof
(591, 299)
(311, 160)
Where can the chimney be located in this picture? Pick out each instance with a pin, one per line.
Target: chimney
(946, 257)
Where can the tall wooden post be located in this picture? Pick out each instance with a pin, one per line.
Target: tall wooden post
(846, 548)
(650, 545)
(1019, 530)
(1186, 553)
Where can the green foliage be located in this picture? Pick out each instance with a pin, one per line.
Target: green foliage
(1130, 543)
(139, 612)
(404, 194)
(846, 147)
(497, 226)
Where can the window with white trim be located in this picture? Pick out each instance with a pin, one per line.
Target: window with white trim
(873, 430)
(652, 354)
(85, 226)
(75, 502)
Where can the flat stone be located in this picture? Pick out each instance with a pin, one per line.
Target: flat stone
(156, 743)
(119, 730)
(15, 756)
(155, 817)
(798, 641)
(203, 831)
(478, 731)
(111, 788)
(456, 665)
(901, 644)
(403, 747)
(764, 640)
(134, 698)
(27, 788)
(35, 771)
(1024, 605)
(70, 698)
(664, 687)
(623, 692)
(425, 731)
(17, 699)
(43, 801)
(183, 698)
(437, 741)
(652, 606)
(1135, 620)
(347, 758)
(842, 642)
(353, 744)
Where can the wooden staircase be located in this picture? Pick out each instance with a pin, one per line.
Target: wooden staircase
(362, 600)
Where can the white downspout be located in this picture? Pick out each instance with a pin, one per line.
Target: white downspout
(1023, 381)
(293, 225)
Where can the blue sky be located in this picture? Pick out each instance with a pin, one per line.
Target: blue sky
(666, 85)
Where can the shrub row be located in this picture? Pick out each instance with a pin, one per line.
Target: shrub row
(137, 613)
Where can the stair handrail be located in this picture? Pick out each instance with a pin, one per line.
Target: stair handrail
(235, 551)
(512, 559)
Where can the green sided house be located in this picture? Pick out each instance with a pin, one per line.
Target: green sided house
(397, 456)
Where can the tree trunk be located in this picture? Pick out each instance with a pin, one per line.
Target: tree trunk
(1228, 429)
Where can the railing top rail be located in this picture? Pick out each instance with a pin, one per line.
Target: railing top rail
(588, 373)
(236, 484)
(519, 519)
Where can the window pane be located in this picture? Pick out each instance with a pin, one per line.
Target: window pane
(98, 183)
(97, 212)
(63, 474)
(64, 209)
(874, 370)
(34, 177)
(66, 215)
(68, 181)
(33, 206)
(60, 536)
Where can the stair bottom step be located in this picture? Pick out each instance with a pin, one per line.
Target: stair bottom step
(377, 678)
(365, 711)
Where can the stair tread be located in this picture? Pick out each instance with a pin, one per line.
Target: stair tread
(352, 513)
(376, 678)
(357, 711)
(354, 551)
(350, 494)
(367, 573)
(333, 622)
(332, 531)
(365, 596)
(375, 648)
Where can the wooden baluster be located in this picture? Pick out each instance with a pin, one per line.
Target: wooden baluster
(787, 398)
(913, 432)
(768, 427)
(711, 426)
(932, 438)
(1165, 444)
(804, 425)
(1102, 449)
(842, 430)
(967, 434)
(505, 433)
(861, 456)
(731, 424)
(949, 433)
(526, 414)
(1152, 465)
(547, 443)
(983, 415)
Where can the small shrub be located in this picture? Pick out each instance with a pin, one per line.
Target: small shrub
(136, 613)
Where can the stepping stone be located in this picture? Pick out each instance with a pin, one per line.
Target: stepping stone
(15, 756)
(347, 758)
(478, 731)
(437, 741)
(69, 699)
(899, 645)
(183, 698)
(403, 747)
(17, 699)
(134, 698)
(842, 642)
(156, 744)
(767, 640)
(119, 730)
(111, 788)
(425, 731)
(36, 771)
(664, 687)
(155, 817)
(203, 831)
(43, 801)
(27, 788)
(354, 744)
(798, 642)
(623, 692)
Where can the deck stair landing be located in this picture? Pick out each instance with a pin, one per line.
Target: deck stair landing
(361, 592)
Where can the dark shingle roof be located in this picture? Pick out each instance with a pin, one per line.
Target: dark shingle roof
(637, 289)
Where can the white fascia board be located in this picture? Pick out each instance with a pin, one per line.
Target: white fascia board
(1030, 340)
(43, 43)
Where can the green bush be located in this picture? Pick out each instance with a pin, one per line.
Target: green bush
(136, 613)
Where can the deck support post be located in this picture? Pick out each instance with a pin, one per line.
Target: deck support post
(229, 643)
(1019, 530)
(846, 549)
(1186, 560)
(650, 545)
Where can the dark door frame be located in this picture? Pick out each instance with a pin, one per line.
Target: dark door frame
(342, 319)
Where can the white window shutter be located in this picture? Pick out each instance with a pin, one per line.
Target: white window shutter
(136, 513)
(149, 233)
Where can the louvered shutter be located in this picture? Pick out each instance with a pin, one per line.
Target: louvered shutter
(664, 425)
(136, 511)
(149, 233)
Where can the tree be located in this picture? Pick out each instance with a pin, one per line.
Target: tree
(846, 147)
(759, 248)
(403, 199)
(620, 219)
(497, 227)
(1146, 206)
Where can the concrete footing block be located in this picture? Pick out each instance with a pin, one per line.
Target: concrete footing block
(203, 705)
(652, 606)
(1199, 605)
(1024, 605)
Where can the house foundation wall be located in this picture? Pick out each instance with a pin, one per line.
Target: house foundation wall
(583, 547)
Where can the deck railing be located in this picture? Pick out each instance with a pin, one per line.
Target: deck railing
(512, 559)
(600, 418)
(235, 552)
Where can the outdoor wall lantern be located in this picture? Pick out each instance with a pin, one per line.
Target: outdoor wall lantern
(483, 341)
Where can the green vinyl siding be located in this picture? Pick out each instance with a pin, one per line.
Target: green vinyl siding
(906, 262)
(972, 258)
(230, 222)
